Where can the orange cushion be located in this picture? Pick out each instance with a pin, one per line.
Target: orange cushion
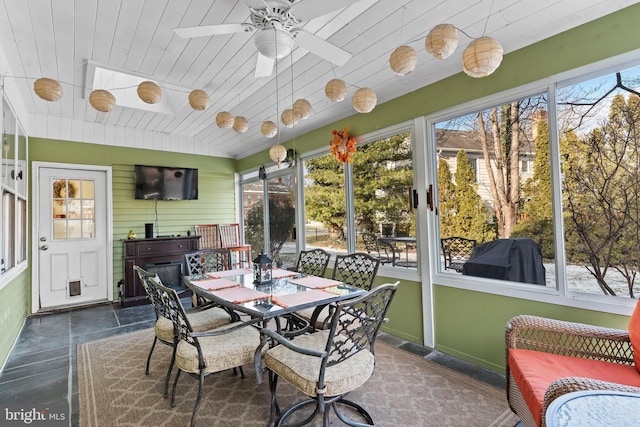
(634, 334)
(534, 371)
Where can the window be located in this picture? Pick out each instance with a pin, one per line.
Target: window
(13, 203)
(598, 119)
(371, 197)
(485, 195)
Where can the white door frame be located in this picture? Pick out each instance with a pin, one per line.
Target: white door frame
(35, 226)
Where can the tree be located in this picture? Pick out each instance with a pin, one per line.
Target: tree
(472, 217)
(601, 192)
(447, 207)
(282, 219)
(536, 220)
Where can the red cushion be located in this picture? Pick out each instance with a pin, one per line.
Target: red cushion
(534, 371)
(634, 334)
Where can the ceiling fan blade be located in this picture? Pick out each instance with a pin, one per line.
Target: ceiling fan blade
(264, 66)
(322, 48)
(306, 10)
(255, 4)
(211, 30)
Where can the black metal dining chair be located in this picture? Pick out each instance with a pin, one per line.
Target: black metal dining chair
(328, 364)
(313, 262)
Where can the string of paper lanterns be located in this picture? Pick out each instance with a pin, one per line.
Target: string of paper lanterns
(480, 58)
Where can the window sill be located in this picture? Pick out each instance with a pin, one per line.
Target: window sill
(10, 275)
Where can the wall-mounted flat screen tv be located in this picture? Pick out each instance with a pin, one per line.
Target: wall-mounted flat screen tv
(166, 183)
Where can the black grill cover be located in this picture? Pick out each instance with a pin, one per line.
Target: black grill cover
(517, 260)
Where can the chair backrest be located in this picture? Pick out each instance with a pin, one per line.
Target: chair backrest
(208, 260)
(456, 251)
(209, 236)
(357, 269)
(355, 324)
(313, 262)
(147, 279)
(229, 235)
(370, 242)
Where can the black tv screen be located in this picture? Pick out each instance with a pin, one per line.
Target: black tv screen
(166, 183)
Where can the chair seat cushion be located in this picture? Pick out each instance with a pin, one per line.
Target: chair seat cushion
(201, 320)
(533, 371)
(303, 371)
(634, 334)
(306, 314)
(220, 352)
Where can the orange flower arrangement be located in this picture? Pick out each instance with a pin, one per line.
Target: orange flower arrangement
(343, 145)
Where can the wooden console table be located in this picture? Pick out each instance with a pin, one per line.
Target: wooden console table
(161, 254)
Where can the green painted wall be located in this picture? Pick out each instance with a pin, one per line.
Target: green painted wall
(468, 324)
(216, 193)
(14, 300)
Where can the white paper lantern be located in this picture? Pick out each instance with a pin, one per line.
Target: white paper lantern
(149, 92)
(224, 120)
(364, 100)
(302, 108)
(269, 129)
(441, 41)
(47, 89)
(482, 57)
(403, 60)
(199, 100)
(102, 100)
(288, 118)
(278, 153)
(240, 124)
(336, 90)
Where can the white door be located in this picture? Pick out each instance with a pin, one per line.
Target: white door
(72, 239)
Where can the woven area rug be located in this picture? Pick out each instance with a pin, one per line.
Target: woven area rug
(405, 390)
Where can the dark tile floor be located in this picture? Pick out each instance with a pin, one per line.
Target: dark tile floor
(41, 368)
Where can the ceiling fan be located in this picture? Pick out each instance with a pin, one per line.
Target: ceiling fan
(278, 27)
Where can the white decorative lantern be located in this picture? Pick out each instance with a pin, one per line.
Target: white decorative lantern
(364, 100)
(441, 41)
(47, 89)
(149, 92)
(240, 124)
(269, 129)
(403, 60)
(199, 100)
(278, 153)
(288, 118)
(302, 108)
(482, 57)
(224, 119)
(102, 100)
(336, 90)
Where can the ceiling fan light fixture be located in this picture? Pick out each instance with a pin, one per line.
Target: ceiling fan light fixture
(336, 90)
(240, 124)
(149, 92)
(364, 100)
(47, 89)
(273, 44)
(102, 100)
(199, 100)
(224, 119)
(482, 57)
(441, 41)
(269, 129)
(403, 60)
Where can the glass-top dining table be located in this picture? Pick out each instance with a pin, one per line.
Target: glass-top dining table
(288, 292)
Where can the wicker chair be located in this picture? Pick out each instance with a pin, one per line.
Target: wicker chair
(456, 251)
(313, 262)
(328, 364)
(555, 337)
(200, 354)
(201, 319)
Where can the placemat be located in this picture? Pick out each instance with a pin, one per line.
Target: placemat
(240, 294)
(215, 284)
(279, 273)
(290, 300)
(227, 273)
(315, 282)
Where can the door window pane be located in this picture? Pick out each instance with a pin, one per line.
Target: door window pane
(73, 209)
(598, 122)
(484, 195)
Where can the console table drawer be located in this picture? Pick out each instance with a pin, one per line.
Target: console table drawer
(162, 247)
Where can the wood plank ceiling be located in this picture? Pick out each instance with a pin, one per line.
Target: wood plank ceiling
(62, 39)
